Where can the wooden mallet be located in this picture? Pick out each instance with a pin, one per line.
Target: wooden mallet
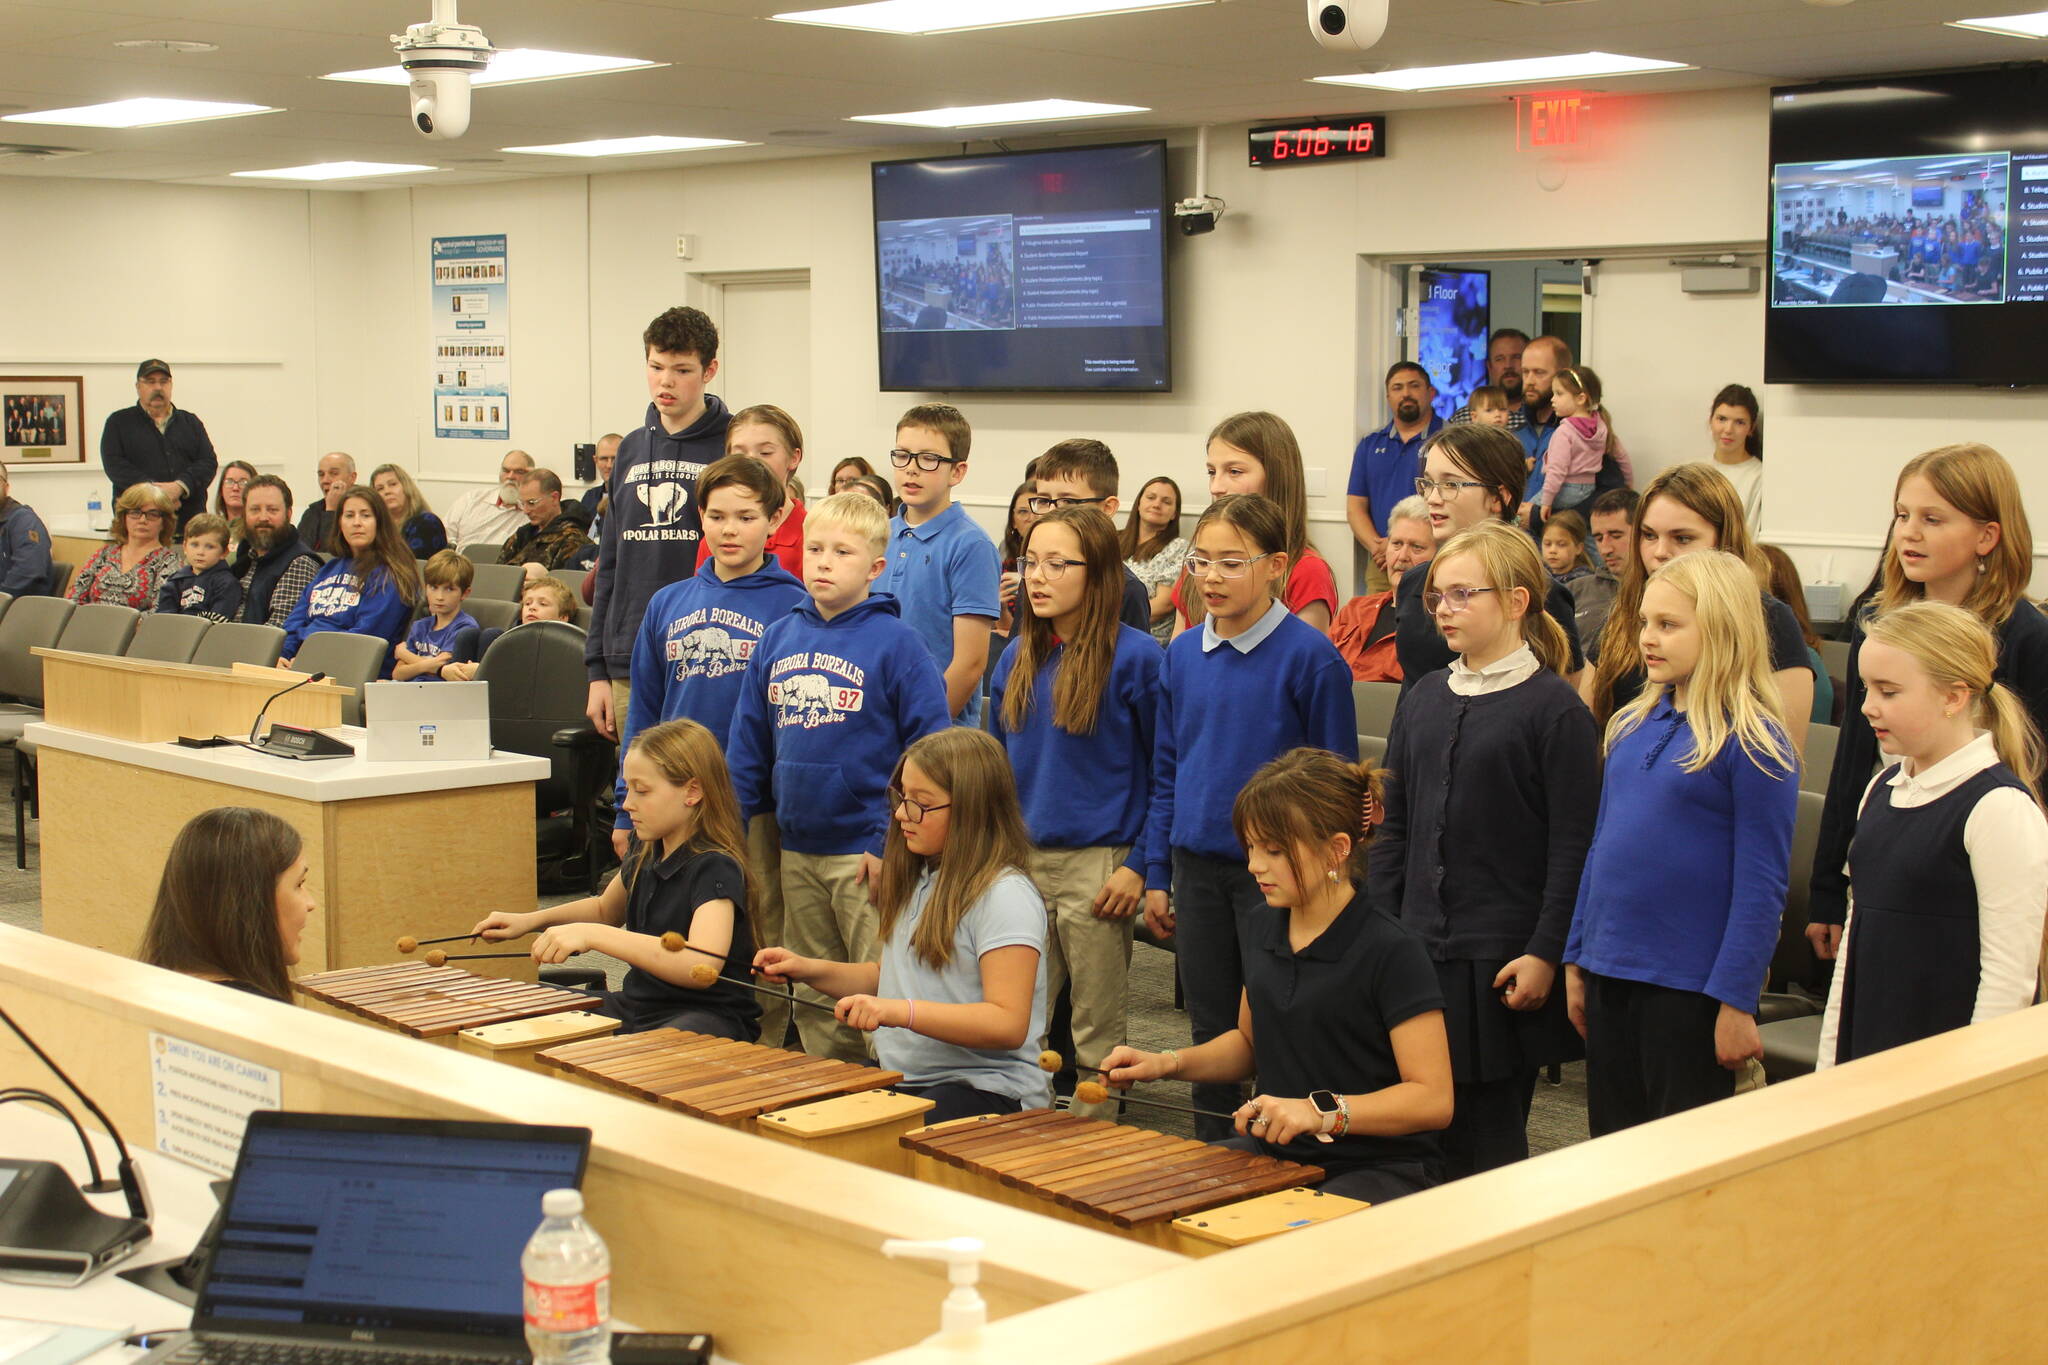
(703, 974)
(676, 943)
(408, 943)
(437, 957)
(1094, 1092)
(1050, 1061)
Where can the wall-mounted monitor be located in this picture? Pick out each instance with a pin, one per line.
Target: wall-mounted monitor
(1909, 230)
(1024, 271)
(1455, 315)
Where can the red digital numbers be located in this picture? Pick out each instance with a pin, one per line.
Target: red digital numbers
(1354, 136)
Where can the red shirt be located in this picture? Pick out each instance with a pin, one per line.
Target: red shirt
(785, 544)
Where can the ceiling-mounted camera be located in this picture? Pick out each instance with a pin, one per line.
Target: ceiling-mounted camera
(1347, 25)
(440, 56)
(1198, 215)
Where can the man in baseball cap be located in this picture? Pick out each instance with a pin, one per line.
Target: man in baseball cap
(155, 442)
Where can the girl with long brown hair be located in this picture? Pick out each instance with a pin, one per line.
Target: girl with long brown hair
(370, 590)
(1255, 452)
(233, 902)
(1074, 701)
(685, 873)
(957, 1003)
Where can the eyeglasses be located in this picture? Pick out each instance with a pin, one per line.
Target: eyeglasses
(1457, 598)
(913, 813)
(1051, 568)
(1198, 565)
(1044, 505)
(530, 503)
(903, 459)
(1446, 490)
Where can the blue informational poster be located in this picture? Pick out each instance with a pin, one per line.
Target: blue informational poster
(1456, 316)
(471, 320)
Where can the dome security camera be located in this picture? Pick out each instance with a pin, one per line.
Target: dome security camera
(440, 56)
(1347, 25)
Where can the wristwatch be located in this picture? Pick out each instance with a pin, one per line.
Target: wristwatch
(1330, 1107)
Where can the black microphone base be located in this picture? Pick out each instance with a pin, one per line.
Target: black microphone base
(50, 1235)
(293, 741)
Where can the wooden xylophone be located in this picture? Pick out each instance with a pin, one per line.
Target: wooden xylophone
(826, 1105)
(1168, 1191)
(436, 1003)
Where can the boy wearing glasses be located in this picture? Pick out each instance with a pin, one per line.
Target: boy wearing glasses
(1082, 473)
(833, 693)
(553, 537)
(941, 567)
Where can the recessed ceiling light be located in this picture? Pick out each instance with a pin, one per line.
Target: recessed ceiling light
(168, 45)
(2009, 25)
(509, 67)
(984, 115)
(1516, 71)
(140, 113)
(958, 16)
(627, 146)
(335, 170)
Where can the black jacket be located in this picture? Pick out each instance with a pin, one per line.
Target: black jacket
(257, 590)
(133, 451)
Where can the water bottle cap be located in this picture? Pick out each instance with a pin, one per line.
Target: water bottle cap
(562, 1203)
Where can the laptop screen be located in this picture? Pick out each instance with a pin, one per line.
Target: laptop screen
(399, 1224)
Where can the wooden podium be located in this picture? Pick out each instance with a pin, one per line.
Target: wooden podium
(395, 848)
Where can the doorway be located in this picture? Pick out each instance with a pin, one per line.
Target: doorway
(1447, 309)
(764, 340)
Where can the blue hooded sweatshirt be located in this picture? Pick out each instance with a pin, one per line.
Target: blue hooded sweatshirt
(339, 599)
(694, 643)
(826, 709)
(651, 530)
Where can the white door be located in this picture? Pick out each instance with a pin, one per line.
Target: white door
(764, 346)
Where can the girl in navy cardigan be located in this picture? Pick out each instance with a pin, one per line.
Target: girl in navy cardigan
(1074, 700)
(371, 590)
(1949, 867)
(1250, 683)
(1494, 777)
(1685, 883)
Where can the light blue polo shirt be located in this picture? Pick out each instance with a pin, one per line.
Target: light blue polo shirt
(943, 568)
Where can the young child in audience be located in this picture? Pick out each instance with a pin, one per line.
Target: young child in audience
(766, 433)
(1959, 535)
(1564, 547)
(1082, 473)
(369, 590)
(1154, 549)
(1255, 452)
(1583, 574)
(957, 1000)
(546, 599)
(446, 634)
(1582, 443)
(1363, 629)
(686, 874)
(1489, 405)
(941, 567)
(206, 586)
(1949, 867)
(1012, 549)
(233, 902)
(834, 693)
(1684, 886)
(1074, 702)
(1494, 781)
(1341, 1019)
(1251, 683)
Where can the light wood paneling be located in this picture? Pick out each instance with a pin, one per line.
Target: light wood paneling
(153, 703)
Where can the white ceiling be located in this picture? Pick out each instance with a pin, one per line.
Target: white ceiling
(732, 73)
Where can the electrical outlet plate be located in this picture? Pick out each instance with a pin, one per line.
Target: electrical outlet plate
(686, 247)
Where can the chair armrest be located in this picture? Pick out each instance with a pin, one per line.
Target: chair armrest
(579, 737)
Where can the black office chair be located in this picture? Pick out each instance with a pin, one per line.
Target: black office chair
(538, 690)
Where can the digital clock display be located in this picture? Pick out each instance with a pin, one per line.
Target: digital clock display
(1348, 137)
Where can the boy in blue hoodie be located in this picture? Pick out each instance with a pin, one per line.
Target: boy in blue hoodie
(651, 527)
(205, 586)
(833, 695)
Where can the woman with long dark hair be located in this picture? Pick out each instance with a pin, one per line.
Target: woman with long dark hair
(371, 589)
(233, 902)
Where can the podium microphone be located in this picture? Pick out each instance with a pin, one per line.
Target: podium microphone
(257, 724)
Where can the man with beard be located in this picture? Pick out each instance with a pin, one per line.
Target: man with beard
(154, 442)
(1504, 371)
(1541, 361)
(273, 565)
(491, 514)
(336, 473)
(1387, 463)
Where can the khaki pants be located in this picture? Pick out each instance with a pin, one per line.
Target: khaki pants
(622, 697)
(764, 851)
(826, 914)
(1376, 579)
(1092, 953)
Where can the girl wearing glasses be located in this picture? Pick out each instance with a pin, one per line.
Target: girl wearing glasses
(1494, 783)
(1074, 702)
(1470, 474)
(957, 1003)
(1252, 682)
(1255, 452)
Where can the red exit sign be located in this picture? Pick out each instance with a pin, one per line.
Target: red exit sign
(1559, 119)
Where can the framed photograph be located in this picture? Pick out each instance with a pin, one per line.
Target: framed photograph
(42, 419)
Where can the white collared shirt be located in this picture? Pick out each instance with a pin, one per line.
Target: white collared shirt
(1252, 636)
(1498, 676)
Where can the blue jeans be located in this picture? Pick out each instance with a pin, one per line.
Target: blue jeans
(1571, 495)
(1213, 904)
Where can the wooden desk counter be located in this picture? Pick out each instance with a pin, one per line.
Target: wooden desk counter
(384, 840)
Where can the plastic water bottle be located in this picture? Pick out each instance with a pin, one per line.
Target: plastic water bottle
(568, 1274)
(96, 514)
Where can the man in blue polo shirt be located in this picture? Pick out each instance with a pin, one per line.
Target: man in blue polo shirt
(1387, 463)
(1542, 360)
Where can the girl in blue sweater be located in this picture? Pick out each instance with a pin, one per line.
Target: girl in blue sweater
(1679, 907)
(371, 590)
(1074, 700)
(1252, 682)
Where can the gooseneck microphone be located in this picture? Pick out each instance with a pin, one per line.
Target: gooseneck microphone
(130, 1175)
(257, 726)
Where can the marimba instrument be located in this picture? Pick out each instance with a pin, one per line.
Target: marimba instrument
(826, 1105)
(438, 1003)
(1167, 1191)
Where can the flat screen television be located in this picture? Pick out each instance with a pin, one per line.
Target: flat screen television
(1909, 230)
(1456, 319)
(1037, 271)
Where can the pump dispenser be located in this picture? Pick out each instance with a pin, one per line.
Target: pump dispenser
(963, 1314)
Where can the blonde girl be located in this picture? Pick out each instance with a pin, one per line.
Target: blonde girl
(1495, 779)
(957, 1003)
(1678, 910)
(685, 873)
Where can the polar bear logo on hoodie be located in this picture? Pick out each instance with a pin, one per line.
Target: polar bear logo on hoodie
(666, 500)
(806, 700)
(712, 652)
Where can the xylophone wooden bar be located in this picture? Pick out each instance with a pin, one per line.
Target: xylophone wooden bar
(1130, 1180)
(433, 1003)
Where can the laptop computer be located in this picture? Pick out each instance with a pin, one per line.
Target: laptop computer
(424, 721)
(375, 1240)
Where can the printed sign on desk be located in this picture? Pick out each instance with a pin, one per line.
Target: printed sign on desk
(203, 1100)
